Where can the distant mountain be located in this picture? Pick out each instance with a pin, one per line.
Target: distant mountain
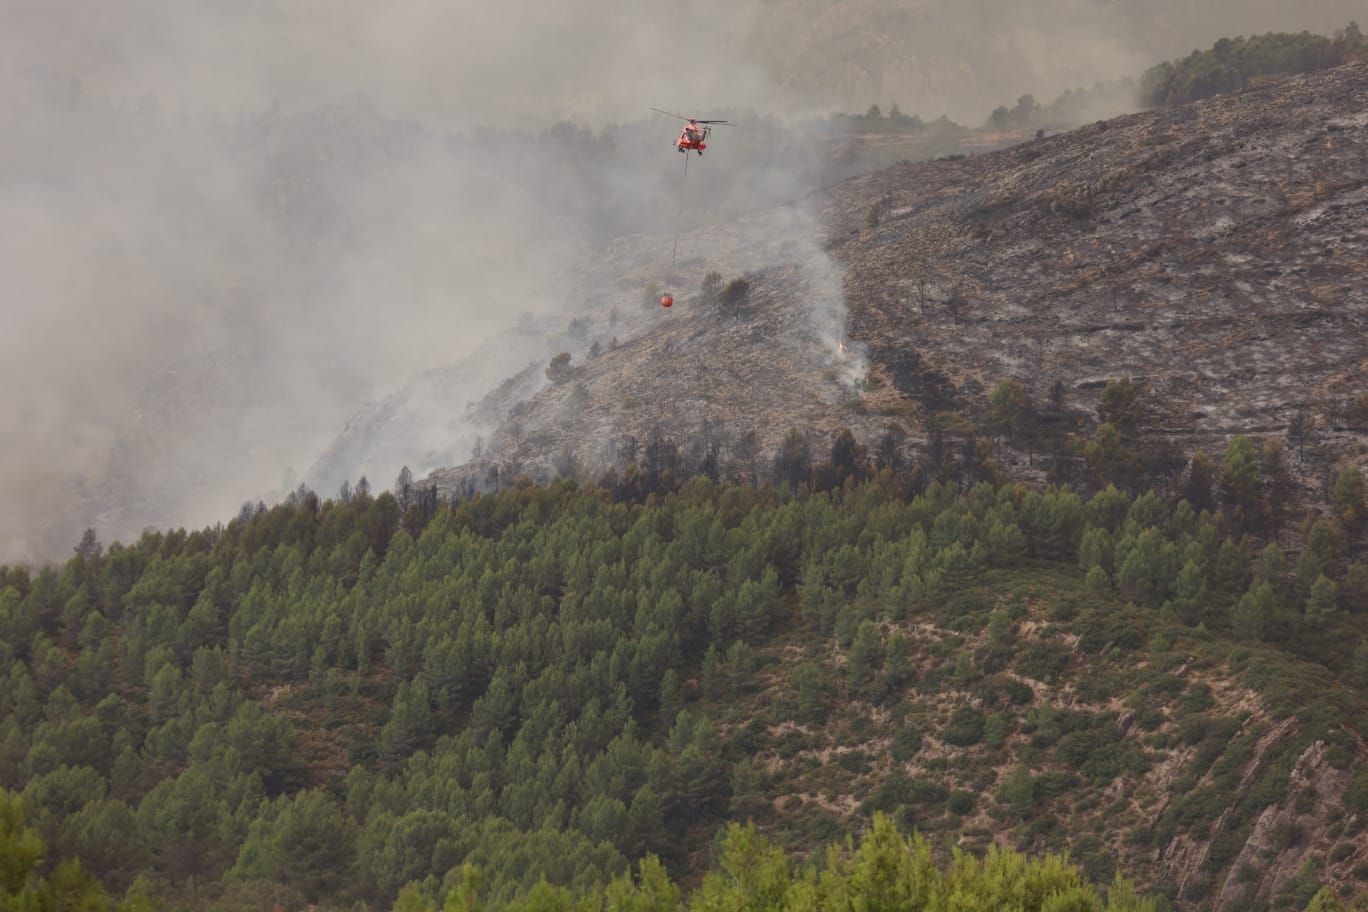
(949, 56)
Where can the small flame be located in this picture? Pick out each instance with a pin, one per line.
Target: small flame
(844, 349)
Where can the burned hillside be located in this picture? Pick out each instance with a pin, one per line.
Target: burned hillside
(1215, 253)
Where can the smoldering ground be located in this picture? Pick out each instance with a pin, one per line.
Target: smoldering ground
(224, 226)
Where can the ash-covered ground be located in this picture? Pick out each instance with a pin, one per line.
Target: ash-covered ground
(1217, 253)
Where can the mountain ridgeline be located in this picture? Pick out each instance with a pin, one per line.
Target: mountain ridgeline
(1232, 65)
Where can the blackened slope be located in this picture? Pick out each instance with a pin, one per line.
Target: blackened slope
(1216, 252)
(1219, 251)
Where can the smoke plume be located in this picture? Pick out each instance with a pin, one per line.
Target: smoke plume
(224, 227)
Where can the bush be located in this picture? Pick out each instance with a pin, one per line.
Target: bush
(960, 803)
(1098, 755)
(1019, 693)
(1043, 660)
(995, 730)
(1018, 792)
(1054, 784)
(1150, 717)
(1193, 729)
(1099, 685)
(969, 607)
(928, 792)
(710, 292)
(558, 371)
(1198, 698)
(1098, 628)
(906, 743)
(853, 761)
(792, 743)
(735, 294)
(965, 727)
(889, 795)
(1356, 796)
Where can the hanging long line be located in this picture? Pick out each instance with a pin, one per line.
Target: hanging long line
(679, 212)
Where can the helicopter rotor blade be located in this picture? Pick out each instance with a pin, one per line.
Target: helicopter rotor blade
(669, 114)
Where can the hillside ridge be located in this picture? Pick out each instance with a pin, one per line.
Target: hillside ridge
(1213, 252)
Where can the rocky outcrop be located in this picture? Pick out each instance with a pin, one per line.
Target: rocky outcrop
(1184, 859)
(1286, 834)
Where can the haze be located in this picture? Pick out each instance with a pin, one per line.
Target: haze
(226, 226)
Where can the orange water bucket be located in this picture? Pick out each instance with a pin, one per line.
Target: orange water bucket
(667, 300)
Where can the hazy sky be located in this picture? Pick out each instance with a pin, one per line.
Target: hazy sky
(525, 61)
(511, 61)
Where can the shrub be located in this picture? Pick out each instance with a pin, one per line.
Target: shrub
(1018, 792)
(1043, 660)
(792, 743)
(961, 803)
(995, 729)
(1019, 693)
(1053, 784)
(854, 761)
(1099, 628)
(928, 792)
(1096, 753)
(735, 294)
(969, 607)
(1099, 685)
(906, 743)
(558, 371)
(891, 794)
(965, 727)
(710, 292)
(1356, 796)
(1198, 698)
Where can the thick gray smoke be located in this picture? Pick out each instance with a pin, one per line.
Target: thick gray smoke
(226, 226)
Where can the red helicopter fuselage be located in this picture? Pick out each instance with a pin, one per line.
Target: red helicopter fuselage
(692, 138)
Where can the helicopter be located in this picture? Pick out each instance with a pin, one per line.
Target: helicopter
(694, 136)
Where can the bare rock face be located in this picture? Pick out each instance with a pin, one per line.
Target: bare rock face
(1182, 861)
(1285, 834)
(1217, 252)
